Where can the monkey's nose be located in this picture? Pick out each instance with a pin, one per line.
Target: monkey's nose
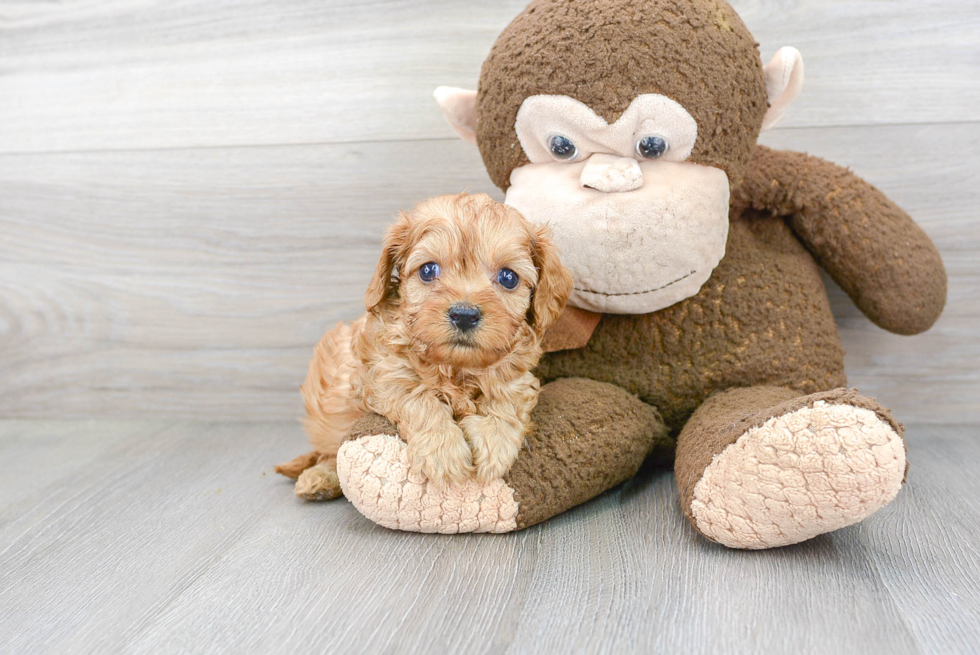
(611, 174)
(464, 317)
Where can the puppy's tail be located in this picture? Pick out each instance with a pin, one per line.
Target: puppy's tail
(326, 392)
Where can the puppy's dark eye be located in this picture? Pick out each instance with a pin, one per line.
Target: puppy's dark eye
(651, 147)
(562, 147)
(429, 271)
(508, 279)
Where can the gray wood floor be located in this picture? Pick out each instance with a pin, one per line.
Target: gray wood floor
(191, 191)
(123, 536)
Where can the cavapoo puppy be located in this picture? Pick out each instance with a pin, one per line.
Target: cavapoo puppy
(457, 308)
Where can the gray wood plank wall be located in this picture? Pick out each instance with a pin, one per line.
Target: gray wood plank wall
(191, 192)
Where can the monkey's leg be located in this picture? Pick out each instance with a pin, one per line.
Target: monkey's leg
(587, 437)
(764, 466)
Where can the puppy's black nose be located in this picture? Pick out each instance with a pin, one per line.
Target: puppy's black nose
(464, 317)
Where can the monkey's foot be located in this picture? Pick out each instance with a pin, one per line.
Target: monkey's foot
(822, 465)
(375, 477)
(588, 437)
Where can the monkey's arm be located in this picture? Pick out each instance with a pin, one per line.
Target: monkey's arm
(871, 248)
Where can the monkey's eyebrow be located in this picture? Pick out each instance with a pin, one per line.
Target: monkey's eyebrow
(543, 115)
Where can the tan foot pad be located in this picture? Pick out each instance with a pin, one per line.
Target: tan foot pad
(374, 475)
(805, 473)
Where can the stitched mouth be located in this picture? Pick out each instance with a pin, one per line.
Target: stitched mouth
(636, 293)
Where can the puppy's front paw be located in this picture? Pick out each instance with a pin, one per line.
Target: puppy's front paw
(495, 445)
(445, 459)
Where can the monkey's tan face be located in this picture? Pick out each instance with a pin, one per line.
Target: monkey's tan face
(639, 227)
(466, 288)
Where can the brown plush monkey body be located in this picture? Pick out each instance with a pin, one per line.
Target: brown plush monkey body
(760, 330)
(630, 127)
(763, 317)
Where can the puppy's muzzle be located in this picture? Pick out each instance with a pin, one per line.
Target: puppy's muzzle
(464, 317)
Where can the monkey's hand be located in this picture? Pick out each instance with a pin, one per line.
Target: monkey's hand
(873, 250)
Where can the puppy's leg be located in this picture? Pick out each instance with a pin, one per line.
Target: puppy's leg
(295, 467)
(497, 432)
(437, 448)
(330, 412)
(319, 482)
(496, 440)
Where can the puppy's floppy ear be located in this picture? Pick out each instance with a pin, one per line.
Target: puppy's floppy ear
(384, 284)
(554, 281)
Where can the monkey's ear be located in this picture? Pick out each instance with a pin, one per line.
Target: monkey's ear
(554, 282)
(459, 108)
(382, 287)
(784, 80)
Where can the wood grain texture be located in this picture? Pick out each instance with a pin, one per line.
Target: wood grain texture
(182, 259)
(191, 192)
(160, 281)
(137, 74)
(176, 537)
(195, 282)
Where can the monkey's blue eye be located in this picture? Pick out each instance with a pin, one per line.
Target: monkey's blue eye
(508, 279)
(562, 147)
(651, 147)
(429, 271)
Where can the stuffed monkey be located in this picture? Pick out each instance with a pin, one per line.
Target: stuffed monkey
(700, 331)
